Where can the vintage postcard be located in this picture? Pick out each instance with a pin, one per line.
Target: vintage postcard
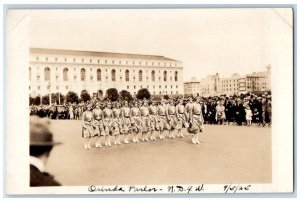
(149, 101)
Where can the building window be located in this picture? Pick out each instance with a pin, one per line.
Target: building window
(29, 87)
(133, 62)
(127, 87)
(133, 87)
(56, 77)
(38, 87)
(75, 77)
(153, 87)
(91, 60)
(67, 87)
(120, 78)
(158, 63)
(160, 92)
(91, 69)
(119, 62)
(165, 75)
(82, 74)
(82, 60)
(74, 60)
(171, 86)
(127, 75)
(57, 88)
(113, 75)
(140, 63)
(153, 75)
(47, 74)
(65, 59)
(166, 86)
(176, 76)
(29, 73)
(91, 78)
(55, 59)
(153, 92)
(140, 75)
(105, 61)
(141, 87)
(159, 86)
(48, 87)
(98, 75)
(46, 59)
(37, 58)
(98, 61)
(65, 74)
(38, 78)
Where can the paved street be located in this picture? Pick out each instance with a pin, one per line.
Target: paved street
(228, 154)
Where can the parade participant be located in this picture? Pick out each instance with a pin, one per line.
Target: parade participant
(256, 117)
(181, 117)
(41, 144)
(153, 120)
(188, 107)
(248, 115)
(144, 110)
(87, 128)
(125, 113)
(263, 109)
(172, 118)
(196, 121)
(162, 117)
(117, 122)
(107, 123)
(135, 121)
(98, 124)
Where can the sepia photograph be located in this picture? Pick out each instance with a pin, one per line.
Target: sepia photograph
(150, 100)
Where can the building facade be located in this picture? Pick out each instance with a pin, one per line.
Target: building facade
(61, 71)
(210, 85)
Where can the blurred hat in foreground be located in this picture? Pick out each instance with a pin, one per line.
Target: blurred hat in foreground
(40, 135)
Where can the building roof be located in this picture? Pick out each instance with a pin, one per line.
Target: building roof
(97, 54)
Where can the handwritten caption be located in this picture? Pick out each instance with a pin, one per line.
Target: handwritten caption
(173, 189)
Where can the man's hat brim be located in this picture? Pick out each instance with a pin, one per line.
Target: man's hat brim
(44, 143)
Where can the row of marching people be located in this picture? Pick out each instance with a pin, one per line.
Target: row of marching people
(110, 121)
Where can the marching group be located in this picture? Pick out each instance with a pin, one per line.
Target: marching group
(115, 119)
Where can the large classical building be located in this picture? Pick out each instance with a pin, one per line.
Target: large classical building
(61, 71)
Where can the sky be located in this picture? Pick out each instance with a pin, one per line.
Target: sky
(207, 41)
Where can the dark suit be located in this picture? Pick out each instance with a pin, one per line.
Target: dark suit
(38, 178)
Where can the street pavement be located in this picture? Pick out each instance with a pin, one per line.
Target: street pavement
(228, 154)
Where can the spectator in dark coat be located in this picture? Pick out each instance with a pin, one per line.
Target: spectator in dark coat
(41, 144)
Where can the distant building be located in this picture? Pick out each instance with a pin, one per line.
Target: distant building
(256, 82)
(210, 85)
(193, 87)
(231, 85)
(61, 71)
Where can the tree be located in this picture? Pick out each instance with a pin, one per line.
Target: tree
(37, 100)
(85, 96)
(166, 97)
(125, 95)
(31, 100)
(72, 97)
(45, 100)
(55, 97)
(112, 94)
(143, 93)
